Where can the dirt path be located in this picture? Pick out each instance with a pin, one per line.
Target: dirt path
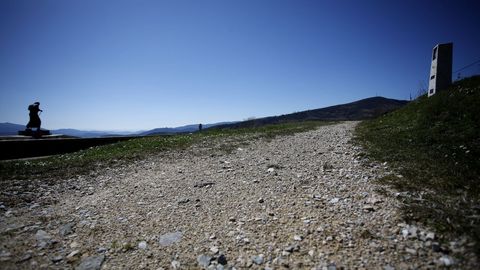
(304, 201)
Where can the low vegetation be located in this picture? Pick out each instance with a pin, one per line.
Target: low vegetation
(434, 146)
(82, 162)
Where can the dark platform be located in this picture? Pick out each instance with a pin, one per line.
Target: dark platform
(14, 147)
(34, 133)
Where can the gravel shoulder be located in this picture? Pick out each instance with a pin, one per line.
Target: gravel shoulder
(304, 201)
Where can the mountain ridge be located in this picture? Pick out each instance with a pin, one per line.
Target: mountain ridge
(363, 109)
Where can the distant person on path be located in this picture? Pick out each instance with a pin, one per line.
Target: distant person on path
(200, 127)
(35, 121)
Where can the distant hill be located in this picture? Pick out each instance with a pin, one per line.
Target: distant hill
(10, 129)
(182, 129)
(359, 110)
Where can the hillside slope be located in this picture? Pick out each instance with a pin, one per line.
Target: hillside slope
(434, 144)
(10, 129)
(358, 110)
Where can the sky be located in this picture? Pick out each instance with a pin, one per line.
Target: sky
(138, 64)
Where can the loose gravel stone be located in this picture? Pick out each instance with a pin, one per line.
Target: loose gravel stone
(258, 259)
(298, 238)
(91, 263)
(204, 260)
(170, 238)
(175, 264)
(57, 258)
(222, 259)
(66, 229)
(142, 245)
(214, 249)
(73, 256)
(42, 235)
(446, 260)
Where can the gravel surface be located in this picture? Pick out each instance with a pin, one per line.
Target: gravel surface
(304, 201)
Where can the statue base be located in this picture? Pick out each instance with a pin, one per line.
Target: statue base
(34, 133)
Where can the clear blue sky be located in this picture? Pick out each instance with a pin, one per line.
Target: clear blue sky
(128, 65)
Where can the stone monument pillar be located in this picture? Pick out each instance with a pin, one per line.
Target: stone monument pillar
(441, 69)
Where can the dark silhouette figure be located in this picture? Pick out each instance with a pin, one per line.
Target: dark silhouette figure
(200, 127)
(35, 121)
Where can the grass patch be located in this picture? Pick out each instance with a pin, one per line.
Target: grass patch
(85, 161)
(434, 144)
(82, 162)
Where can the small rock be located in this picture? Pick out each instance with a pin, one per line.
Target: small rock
(214, 249)
(43, 239)
(25, 257)
(297, 237)
(311, 253)
(66, 229)
(411, 251)
(5, 255)
(184, 200)
(142, 245)
(222, 260)
(261, 200)
(73, 256)
(258, 259)
(412, 230)
(91, 263)
(270, 170)
(204, 184)
(292, 248)
(42, 235)
(74, 245)
(430, 236)
(204, 260)
(57, 258)
(169, 239)
(445, 260)
(332, 267)
(436, 247)
(334, 200)
(175, 264)
(33, 206)
(368, 208)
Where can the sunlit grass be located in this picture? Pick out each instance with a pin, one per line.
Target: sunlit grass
(434, 143)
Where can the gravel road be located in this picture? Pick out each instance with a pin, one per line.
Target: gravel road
(304, 201)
